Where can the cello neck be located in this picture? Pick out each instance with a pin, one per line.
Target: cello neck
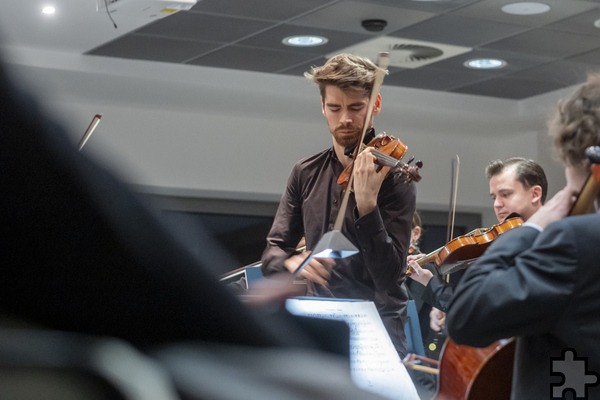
(589, 192)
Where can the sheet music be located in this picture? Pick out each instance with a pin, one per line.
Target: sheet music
(374, 363)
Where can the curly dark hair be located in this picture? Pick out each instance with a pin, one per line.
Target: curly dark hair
(575, 124)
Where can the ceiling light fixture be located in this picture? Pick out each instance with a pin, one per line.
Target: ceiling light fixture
(304, 40)
(597, 23)
(48, 10)
(526, 8)
(485, 63)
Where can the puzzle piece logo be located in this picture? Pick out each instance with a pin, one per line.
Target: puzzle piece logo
(575, 376)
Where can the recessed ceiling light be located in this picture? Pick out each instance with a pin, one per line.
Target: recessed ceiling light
(485, 63)
(304, 40)
(48, 10)
(526, 8)
(597, 23)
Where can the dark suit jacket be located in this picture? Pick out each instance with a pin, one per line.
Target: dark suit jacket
(544, 289)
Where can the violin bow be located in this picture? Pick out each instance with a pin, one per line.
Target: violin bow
(88, 132)
(383, 61)
(453, 190)
(452, 209)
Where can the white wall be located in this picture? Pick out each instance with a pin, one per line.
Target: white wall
(231, 133)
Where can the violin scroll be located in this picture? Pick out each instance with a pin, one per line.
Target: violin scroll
(409, 172)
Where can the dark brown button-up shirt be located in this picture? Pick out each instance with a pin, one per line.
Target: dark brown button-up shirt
(310, 206)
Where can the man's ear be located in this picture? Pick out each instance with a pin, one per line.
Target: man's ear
(416, 233)
(377, 106)
(536, 193)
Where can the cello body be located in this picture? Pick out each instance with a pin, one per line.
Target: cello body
(470, 373)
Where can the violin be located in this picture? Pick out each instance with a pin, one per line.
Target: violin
(462, 251)
(388, 153)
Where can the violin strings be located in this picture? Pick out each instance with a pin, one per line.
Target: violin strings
(389, 160)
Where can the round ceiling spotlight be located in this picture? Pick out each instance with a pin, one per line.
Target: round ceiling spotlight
(485, 63)
(597, 23)
(526, 8)
(48, 10)
(374, 25)
(304, 40)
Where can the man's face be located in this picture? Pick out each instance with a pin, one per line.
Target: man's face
(510, 196)
(345, 112)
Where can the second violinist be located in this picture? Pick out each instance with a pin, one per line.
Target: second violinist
(380, 208)
(541, 283)
(517, 185)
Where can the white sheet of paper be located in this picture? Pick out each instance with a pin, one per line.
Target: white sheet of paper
(374, 362)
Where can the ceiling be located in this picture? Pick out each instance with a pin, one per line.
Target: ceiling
(543, 52)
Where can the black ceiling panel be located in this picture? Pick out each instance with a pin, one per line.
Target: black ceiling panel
(542, 52)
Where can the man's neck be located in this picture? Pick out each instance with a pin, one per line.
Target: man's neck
(339, 152)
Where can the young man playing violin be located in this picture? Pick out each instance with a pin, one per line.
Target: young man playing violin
(379, 212)
(540, 282)
(517, 185)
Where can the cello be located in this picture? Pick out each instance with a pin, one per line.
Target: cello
(472, 373)
(467, 372)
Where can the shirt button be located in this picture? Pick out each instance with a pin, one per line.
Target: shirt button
(334, 201)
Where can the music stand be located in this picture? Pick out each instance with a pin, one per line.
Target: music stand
(333, 244)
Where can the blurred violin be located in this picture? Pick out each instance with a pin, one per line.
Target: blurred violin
(462, 251)
(388, 153)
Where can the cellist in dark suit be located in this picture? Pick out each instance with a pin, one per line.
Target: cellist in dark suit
(540, 282)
